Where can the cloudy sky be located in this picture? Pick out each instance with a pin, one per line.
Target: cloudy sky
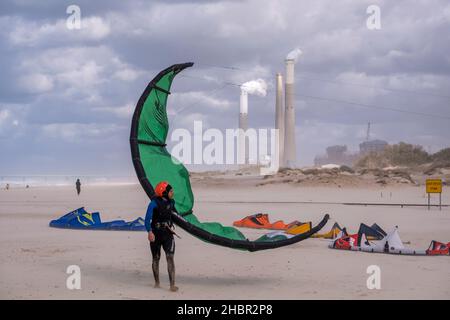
(67, 95)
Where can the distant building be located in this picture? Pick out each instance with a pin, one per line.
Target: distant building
(372, 146)
(336, 152)
(336, 155)
(339, 154)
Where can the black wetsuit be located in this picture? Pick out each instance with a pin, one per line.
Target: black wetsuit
(159, 220)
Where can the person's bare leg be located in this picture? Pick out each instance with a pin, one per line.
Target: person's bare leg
(171, 270)
(155, 268)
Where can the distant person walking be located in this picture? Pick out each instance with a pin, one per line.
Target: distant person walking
(78, 185)
(7, 186)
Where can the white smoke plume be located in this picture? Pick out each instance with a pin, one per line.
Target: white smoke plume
(257, 87)
(294, 54)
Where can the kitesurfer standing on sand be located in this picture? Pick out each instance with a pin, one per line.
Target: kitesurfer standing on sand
(78, 186)
(158, 222)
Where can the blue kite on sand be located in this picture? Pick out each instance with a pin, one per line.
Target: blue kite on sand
(81, 219)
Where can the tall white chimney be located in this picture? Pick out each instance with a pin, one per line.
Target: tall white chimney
(289, 139)
(256, 87)
(243, 125)
(279, 117)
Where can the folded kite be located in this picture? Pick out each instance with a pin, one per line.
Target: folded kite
(81, 219)
(390, 243)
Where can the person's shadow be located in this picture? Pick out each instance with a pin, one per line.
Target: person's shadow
(144, 278)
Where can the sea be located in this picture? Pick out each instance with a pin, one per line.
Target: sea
(24, 181)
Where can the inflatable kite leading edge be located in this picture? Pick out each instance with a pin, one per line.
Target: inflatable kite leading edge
(153, 163)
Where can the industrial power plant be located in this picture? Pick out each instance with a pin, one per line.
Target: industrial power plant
(284, 113)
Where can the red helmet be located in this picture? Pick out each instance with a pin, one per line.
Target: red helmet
(161, 188)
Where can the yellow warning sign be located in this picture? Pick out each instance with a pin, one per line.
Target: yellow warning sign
(434, 185)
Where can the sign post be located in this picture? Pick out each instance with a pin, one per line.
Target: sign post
(434, 186)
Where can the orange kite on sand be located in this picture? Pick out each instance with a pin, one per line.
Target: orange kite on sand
(261, 221)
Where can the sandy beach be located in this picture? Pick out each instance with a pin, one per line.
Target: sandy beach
(117, 264)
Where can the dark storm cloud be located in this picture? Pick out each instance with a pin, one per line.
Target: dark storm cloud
(69, 92)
